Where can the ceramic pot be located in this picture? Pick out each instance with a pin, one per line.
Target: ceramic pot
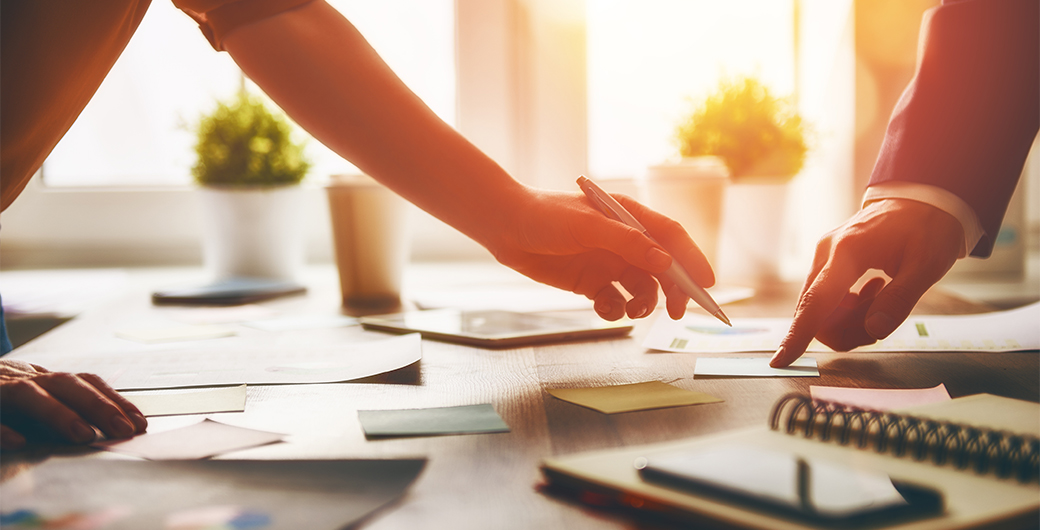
(690, 191)
(255, 232)
(750, 246)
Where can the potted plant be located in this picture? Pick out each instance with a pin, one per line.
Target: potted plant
(249, 169)
(762, 140)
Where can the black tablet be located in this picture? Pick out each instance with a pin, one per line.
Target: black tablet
(495, 329)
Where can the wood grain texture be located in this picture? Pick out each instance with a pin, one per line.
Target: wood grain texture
(489, 480)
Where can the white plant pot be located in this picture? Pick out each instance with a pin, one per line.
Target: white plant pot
(254, 232)
(691, 192)
(750, 248)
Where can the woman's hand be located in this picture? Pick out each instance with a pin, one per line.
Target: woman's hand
(560, 239)
(69, 404)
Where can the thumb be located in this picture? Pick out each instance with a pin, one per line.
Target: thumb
(894, 303)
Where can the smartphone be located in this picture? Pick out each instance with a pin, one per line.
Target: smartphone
(493, 328)
(811, 490)
(231, 291)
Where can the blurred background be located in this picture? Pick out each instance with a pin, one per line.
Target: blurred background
(549, 88)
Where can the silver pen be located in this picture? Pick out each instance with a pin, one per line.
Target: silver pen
(613, 209)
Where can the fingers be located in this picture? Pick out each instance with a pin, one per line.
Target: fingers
(10, 440)
(675, 240)
(129, 409)
(609, 303)
(643, 289)
(844, 329)
(894, 303)
(68, 405)
(677, 301)
(815, 306)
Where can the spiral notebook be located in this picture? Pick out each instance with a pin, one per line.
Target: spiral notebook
(937, 445)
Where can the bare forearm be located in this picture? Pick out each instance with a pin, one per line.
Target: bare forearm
(320, 69)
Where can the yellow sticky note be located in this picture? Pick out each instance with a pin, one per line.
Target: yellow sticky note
(637, 396)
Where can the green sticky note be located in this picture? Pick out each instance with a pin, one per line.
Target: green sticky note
(467, 419)
(637, 396)
(921, 331)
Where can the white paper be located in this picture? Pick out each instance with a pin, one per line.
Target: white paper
(60, 293)
(213, 367)
(299, 322)
(753, 367)
(176, 333)
(202, 440)
(220, 315)
(194, 401)
(1012, 330)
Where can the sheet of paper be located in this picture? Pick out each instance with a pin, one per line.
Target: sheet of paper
(753, 367)
(176, 333)
(880, 398)
(205, 439)
(194, 401)
(95, 494)
(298, 322)
(467, 419)
(225, 366)
(637, 396)
(59, 293)
(220, 315)
(1012, 330)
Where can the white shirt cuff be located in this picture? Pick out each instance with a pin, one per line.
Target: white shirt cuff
(935, 196)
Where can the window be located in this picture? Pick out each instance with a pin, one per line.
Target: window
(137, 129)
(648, 58)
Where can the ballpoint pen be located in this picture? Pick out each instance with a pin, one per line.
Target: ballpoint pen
(613, 209)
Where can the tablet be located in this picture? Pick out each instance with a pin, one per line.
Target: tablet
(495, 329)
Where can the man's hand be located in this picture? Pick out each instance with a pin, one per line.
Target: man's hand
(68, 404)
(914, 243)
(560, 239)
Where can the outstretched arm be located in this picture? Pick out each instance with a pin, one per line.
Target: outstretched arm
(322, 72)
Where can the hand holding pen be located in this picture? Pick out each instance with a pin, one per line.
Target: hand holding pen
(676, 272)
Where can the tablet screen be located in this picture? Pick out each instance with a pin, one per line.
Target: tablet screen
(495, 328)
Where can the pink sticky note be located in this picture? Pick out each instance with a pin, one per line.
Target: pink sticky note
(880, 398)
(201, 440)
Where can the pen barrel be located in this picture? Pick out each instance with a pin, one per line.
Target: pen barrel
(701, 297)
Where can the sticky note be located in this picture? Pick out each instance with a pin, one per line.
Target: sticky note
(201, 440)
(637, 396)
(467, 419)
(880, 398)
(753, 367)
(193, 401)
(175, 334)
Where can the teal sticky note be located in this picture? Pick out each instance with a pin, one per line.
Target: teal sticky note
(467, 419)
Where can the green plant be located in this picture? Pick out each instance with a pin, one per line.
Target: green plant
(243, 144)
(754, 132)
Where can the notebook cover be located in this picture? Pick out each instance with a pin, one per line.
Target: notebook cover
(972, 501)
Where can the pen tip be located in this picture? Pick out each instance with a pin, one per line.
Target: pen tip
(722, 316)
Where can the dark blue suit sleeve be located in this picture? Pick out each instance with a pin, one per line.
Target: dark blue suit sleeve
(969, 116)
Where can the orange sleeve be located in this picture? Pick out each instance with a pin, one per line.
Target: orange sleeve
(218, 18)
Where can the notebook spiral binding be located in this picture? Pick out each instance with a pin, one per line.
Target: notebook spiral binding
(985, 450)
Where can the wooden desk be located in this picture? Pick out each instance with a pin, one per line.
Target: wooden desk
(488, 481)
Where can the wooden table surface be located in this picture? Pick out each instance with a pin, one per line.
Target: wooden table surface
(489, 480)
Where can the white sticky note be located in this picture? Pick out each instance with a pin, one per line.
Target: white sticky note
(753, 367)
(175, 334)
(202, 440)
(194, 401)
